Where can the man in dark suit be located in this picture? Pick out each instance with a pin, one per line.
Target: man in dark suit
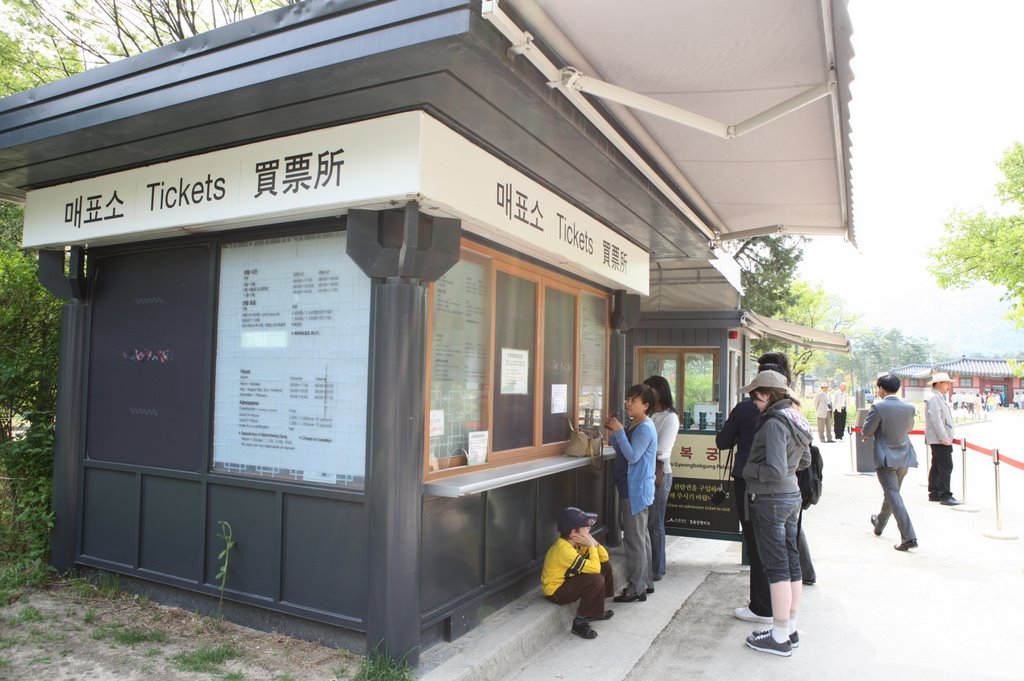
(888, 422)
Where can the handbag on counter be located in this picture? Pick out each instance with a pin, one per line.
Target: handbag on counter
(585, 441)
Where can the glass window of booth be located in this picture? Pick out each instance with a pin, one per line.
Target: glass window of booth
(517, 353)
(692, 373)
(293, 324)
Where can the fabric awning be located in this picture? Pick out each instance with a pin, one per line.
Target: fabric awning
(804, 336)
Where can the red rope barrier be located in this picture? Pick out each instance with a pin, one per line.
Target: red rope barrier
(981, 450)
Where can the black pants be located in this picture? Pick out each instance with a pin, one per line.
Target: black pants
(941, 470)
(760, 594)
(839, 421)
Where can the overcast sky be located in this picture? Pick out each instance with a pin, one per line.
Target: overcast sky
(937, 97)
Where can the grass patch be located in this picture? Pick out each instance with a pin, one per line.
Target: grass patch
(287, 676)
(204, 660)
(29, 614)
(109, 583)
(128, 636)
(234, 676)
(90, 616)
(131, 636)
(378, 667)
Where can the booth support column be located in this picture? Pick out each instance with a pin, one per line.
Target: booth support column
(63, 275)
(68, 435)
(394, 490)
(404, 250)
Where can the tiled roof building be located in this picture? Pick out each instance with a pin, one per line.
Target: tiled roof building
(969, 375)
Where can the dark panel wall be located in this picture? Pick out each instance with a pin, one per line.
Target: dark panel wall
(555, 492)
(324, 555)
(255, 523)
(148, 358)
(511, 523)
(150, 507)
(451, 564)
(110, 516)
(171, 543)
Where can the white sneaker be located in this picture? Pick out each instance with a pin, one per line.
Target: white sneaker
(747, 615)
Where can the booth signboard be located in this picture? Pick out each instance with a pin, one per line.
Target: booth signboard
(698, 468)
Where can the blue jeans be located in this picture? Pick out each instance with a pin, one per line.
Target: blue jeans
(774, 517)
(656, 525)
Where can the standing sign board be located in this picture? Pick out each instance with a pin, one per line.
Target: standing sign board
(698, 467)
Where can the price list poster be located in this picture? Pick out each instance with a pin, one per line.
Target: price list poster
(292, 360)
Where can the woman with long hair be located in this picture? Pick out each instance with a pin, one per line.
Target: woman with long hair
(666, 422)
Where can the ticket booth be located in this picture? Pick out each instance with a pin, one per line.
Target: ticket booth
(343, 275)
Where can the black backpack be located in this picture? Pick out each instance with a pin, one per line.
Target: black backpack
(809, 479)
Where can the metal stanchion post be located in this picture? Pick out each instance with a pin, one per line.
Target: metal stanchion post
(851, 436)
(998, 533)
(964, 507)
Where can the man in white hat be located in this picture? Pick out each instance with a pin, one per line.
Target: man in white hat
(938, 434)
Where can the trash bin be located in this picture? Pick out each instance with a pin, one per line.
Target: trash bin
(865, 450)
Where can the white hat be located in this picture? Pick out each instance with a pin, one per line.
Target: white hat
(940, 377)
(768, 379)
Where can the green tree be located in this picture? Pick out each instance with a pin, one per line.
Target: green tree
(812, 306)
(769, 265)
(57, 38)
(982, 247)
(29, 337)
(875, 351)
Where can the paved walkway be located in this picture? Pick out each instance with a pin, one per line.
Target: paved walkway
(949, 610)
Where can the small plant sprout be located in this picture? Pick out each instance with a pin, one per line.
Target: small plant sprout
(223, 557)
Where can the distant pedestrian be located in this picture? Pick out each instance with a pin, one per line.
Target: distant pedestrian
(823, 411)
(938, 435)
(576, 568)
(888, 422)
(839, 401)
(781, 446)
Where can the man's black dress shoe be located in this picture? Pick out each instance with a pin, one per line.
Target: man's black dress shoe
(950, 501)
(907, 545)
(934, 499)
(650, 589)
(629, 598)
(874, 524)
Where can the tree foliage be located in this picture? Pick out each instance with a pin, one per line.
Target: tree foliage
(29, 337)
(875, 351)
(29, 332)
(769, 265)
(812, 306)
(53, 39)
(982, 247)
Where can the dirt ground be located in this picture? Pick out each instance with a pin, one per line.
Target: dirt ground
(75, 630)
